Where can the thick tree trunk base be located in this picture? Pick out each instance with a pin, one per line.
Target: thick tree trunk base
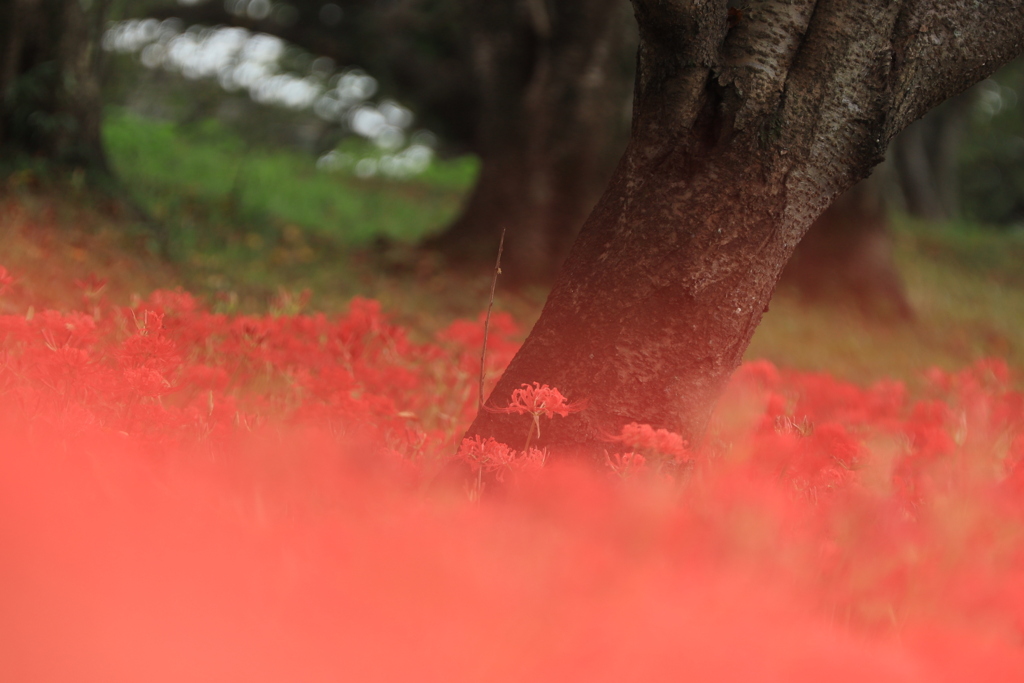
(648, 326)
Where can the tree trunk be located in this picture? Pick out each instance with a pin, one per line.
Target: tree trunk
(49, 80)
(646, 324)
(553, 90)
(746, 125)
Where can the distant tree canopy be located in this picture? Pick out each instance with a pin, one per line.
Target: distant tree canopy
(418, 50)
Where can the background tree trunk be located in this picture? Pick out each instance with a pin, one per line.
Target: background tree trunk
(49, 80)
(924, 157)
(746, 126)
(847, 256)
(553, 85)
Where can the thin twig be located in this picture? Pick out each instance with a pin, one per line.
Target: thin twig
(487, 320)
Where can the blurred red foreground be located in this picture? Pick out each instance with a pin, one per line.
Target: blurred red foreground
(190, 496)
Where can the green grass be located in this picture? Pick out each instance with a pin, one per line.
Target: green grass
(967, 290)
(994, 255)
(208, 185)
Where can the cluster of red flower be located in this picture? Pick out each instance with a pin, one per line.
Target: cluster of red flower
(170, 370)
(813, 508)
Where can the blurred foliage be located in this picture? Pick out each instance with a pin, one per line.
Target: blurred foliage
(167, 95)
(972, 249)
(991, 169)
(212, 188)
(28, 103)
(417, 50)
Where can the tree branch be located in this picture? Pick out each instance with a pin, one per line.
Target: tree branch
(943, 47)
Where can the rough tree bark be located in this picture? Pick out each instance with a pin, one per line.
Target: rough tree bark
(49, 80)
(746, 125)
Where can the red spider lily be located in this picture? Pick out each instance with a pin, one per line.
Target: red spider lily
(485, 454)
(146, 381)
(539, 399)
(881, 505)
(625, 464)
(536, 400)
(495, 458)
(643, 438)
